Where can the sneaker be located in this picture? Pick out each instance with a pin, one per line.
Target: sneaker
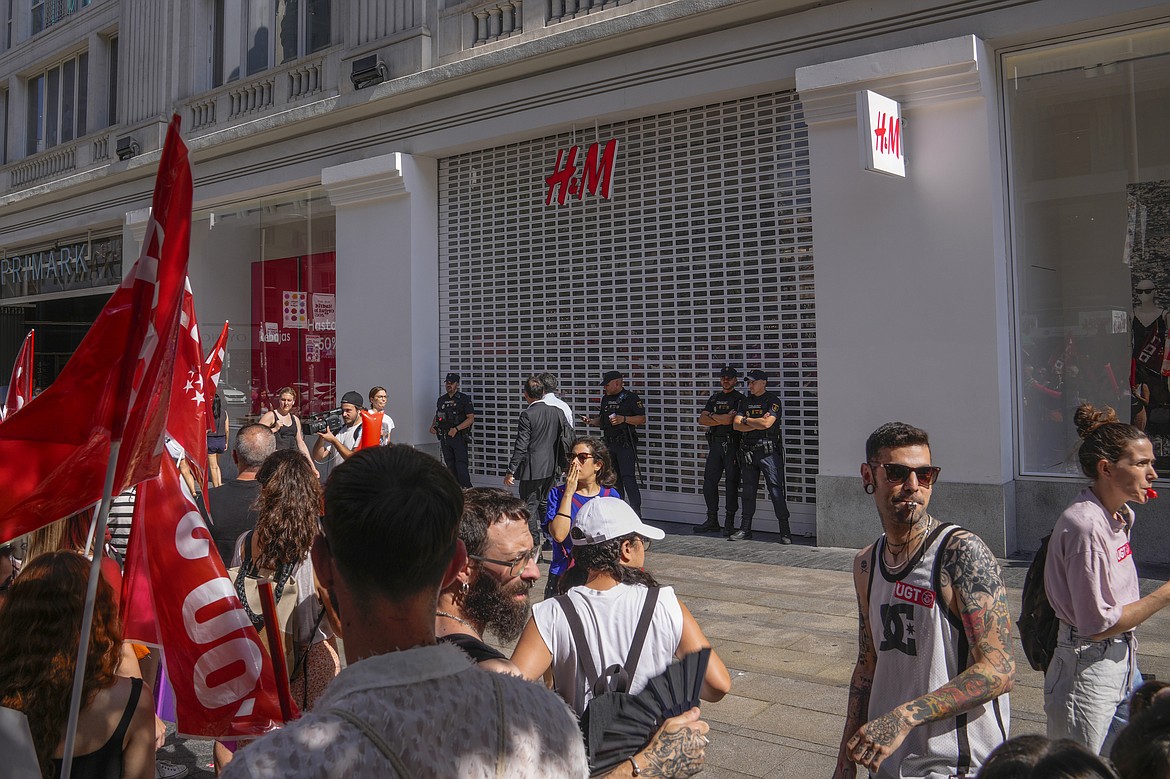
(707, 527)
(165, 770)
(741, 535)
(786, 540)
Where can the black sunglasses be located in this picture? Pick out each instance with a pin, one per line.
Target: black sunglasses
(582, 457)
(896, 473)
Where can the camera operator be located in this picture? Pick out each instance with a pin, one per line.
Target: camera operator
(335, 446)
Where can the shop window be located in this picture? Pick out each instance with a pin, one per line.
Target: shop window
(251, 37)
(268, 267)
(1089, 170)
(57, 104)
(46, 13)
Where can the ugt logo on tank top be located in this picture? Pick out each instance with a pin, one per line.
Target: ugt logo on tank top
(919, 596)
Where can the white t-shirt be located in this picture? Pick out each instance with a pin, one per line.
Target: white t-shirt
(610, 618)
(349, 436)
(551, 399)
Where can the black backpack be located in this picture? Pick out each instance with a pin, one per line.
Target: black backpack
(1038, 623)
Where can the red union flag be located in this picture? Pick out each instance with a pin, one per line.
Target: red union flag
(186, 418)
(116, 386)
(20, 388)
(223, 678)
(212, 369)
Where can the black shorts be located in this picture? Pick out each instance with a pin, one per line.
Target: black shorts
(216, 444)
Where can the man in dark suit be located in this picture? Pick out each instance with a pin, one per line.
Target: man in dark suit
(543, 439)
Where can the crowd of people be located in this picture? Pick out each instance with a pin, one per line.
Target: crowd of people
(419, 584)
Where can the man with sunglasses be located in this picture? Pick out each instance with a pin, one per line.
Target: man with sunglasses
(718, 416)
(929, 694)
(761, 452)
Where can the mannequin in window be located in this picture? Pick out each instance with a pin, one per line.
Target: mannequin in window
(1149, 347)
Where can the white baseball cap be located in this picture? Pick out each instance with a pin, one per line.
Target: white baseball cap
(604, 519)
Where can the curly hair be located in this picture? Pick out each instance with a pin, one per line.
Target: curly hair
(44, 609)
(287, 509)
(484, 507)
(607, 476)
(1103, 437)
(605, 557)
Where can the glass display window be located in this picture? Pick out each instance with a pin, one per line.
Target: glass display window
(1089, 171)
(268, 267)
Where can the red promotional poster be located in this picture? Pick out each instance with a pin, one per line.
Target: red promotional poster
(222, 676)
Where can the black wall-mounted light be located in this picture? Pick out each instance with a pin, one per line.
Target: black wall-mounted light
(127, 147)
(368, 71)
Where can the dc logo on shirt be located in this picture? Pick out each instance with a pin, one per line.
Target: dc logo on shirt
(1123, 552)
(898, 629)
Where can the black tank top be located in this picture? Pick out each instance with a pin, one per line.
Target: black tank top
(106, 763)
(286, 435)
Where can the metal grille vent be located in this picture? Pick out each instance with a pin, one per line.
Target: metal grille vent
(703, 257)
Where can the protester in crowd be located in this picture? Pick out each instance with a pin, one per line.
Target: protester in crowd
(405, 706)
(286, 425)
(589, 475)
(1142, 748)
(217, 440)
(1037, 757)
(490, 591)
(541, 437)
(609, 544)
(287, 511)
(378, 399)
(1092, 584)
(929, 692)
(8, 570)
(231, 504)
(116, 728)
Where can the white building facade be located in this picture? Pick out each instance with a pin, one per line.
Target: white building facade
(656, 187)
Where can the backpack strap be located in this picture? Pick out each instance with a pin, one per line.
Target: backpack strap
(639, 641)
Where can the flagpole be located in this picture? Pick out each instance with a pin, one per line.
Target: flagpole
(95, 572)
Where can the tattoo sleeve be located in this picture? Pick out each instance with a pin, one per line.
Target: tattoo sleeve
(971, 574)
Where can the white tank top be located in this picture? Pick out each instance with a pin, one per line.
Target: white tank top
(920, 646)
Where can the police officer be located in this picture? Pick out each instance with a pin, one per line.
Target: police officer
(761, 451)
(718, 416)
(454, 416)
(621, 413)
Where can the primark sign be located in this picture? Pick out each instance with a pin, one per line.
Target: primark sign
(62, 268)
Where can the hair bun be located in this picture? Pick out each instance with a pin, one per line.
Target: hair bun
(1088, 418)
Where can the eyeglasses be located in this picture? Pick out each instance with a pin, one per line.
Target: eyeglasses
(896, 473)
(645, 543)
(1145, 292)
(582, 457)
(516, 565)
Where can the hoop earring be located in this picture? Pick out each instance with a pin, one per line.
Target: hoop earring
(869, 488)
(463, 588)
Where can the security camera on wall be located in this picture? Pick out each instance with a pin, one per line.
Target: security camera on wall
(368, 71)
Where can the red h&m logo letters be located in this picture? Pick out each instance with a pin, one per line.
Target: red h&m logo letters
(888, 134)
(919, 596)
(596, 174)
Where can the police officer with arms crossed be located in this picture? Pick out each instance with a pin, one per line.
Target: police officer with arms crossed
(621, 412)
(454, 416)
(718, 416)
(761, 451)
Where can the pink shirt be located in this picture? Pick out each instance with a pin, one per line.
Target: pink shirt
(1089, 575)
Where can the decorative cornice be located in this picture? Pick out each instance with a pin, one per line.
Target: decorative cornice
(368, 181)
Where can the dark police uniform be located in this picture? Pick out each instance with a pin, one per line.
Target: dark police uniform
(722, 458)
(762, 451)
(622, 441)
(451, 411)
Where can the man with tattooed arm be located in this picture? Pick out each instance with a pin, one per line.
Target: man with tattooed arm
(929, 694)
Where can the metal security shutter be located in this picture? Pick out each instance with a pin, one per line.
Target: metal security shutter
(702, 258)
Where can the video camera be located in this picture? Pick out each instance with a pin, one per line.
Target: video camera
(330, 420)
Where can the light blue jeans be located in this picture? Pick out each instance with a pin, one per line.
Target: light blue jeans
(1087, 687)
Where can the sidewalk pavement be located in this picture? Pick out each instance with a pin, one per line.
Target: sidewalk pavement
(784, 620)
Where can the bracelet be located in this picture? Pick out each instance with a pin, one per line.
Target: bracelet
(563, 514)
(634, 763)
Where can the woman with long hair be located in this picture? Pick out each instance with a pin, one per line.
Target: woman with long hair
(115, 730)
(609, 544)
(286, 425)
(588, 476)
(287, 511)
(1092, 584)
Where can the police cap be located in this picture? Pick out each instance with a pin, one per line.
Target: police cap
(609, 376)
(452, 378)
(757, 375)
(728, 373)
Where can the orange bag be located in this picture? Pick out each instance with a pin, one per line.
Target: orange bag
(371, 429)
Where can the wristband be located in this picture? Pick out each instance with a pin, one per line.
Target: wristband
(563, 514)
